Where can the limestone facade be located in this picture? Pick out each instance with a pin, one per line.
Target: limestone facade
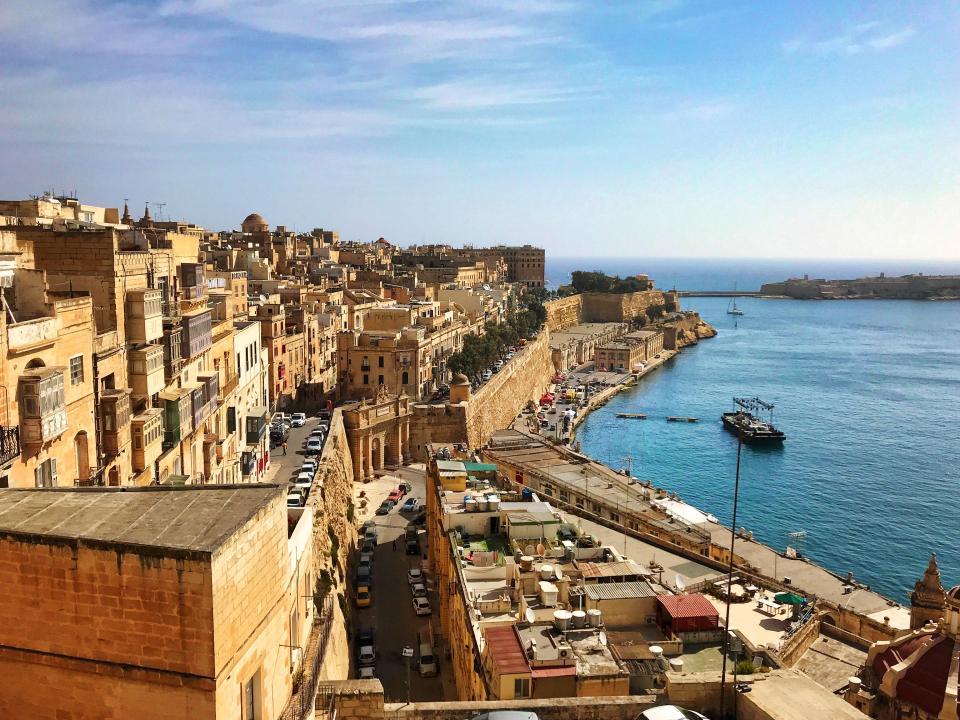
(378, 433)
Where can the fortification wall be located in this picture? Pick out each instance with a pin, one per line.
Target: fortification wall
(564, 312)
(333, 518)
(686, 330)
(640, 307)
(493, 408)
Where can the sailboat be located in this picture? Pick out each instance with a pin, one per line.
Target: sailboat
(732, 308)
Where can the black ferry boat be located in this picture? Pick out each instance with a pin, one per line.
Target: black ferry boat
(745, 422)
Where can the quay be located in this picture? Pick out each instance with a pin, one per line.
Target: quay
(720, 293)
(685, 540)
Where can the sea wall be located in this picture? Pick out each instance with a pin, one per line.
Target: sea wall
(492, 408)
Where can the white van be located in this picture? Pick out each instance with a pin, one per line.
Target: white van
(426, 660)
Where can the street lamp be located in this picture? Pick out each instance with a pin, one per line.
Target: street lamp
(733, 537)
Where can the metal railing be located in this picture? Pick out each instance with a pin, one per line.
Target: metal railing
(9, 444)
(302, 702)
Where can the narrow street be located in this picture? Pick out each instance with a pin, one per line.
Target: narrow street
(391, 612)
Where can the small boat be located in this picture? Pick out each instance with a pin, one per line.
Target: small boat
(635, 416)
(732, 308)
(682, 418)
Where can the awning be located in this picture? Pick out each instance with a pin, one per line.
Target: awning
(551, 672)
(789, 598)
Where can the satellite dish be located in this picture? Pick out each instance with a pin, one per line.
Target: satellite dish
(603, 638)
(559, 573)
(681, 583)
(528, 550)
(529, 616)
(541, 549)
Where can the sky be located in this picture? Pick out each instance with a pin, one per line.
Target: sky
(664, 128)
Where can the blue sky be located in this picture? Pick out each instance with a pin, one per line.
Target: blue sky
(661, 128)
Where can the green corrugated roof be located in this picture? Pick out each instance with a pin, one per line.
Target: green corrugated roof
(480, 467)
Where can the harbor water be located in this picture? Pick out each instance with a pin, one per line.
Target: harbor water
(868, 393)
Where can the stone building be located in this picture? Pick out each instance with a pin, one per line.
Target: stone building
(378, 433)
(147, 603)
(916, 675)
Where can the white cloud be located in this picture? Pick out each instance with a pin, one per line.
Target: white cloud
(865, 37)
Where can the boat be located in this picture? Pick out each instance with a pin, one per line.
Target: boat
(635, 416)
(746, 423)
(732, 308)
(682, 418)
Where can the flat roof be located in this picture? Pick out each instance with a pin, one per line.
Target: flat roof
(194, 518)
(618, 591)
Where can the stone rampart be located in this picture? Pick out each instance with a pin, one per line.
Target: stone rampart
(639, 307)
(564, 312)
(493, 408)
(333, 518)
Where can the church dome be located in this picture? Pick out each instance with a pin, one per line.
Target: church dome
(254, 222)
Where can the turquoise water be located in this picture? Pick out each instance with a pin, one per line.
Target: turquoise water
(868, 393)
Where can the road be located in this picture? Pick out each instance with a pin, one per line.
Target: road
(283, 467)
(391, 612)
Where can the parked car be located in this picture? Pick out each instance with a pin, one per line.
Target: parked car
(298, 420)
(367, 655)
(366, 673)
(385, 507)
(370, 532)
(394, 496)
(368, 546)
(314, 446)
(411, 532)
(487, 375)
(304, 481)
(670, 712)
(420, 519)
(414, 576)
(411, 505)
(364, 576)
(296, 497)
(366, 558)
(309, 465)
(421, 606)
(418, 589)
(413, 547)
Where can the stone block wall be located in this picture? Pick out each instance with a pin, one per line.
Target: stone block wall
(641, 307)
(445, 423)
(499, 401)
(564, 312)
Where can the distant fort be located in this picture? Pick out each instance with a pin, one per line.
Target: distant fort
(905, 287)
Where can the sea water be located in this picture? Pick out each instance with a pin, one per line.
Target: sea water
(868, 393)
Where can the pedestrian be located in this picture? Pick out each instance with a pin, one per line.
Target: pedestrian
(284, 447)
(394, 543)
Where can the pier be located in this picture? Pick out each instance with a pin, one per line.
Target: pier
(720, 293)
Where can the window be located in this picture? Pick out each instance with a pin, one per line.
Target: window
(76, 369)
(45, 474)
(379, 379)
(380, 361)
(406, 378)
(521, 688)
(366, 379)
(251, 698)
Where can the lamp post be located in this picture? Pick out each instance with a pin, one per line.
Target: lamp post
(733, 538)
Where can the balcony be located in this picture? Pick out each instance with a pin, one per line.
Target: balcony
(43, 411)
(9, 444)
(228, 387)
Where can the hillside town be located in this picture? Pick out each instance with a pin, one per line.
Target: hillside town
(265, 474)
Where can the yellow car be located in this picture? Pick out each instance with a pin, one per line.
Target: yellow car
(362, 597)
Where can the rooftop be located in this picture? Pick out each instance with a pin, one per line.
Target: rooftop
(196, 518)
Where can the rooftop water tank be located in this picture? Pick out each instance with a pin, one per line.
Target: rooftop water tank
(548, 593)
(494, 502)
(676, 665)
(526, 562)
(579, 619)
(656, 651)
(594, 618)
(546, 571)
(561, 620)
(526, 494)
(469, 504)
(482, 503)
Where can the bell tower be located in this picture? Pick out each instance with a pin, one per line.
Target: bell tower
(928, 599)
